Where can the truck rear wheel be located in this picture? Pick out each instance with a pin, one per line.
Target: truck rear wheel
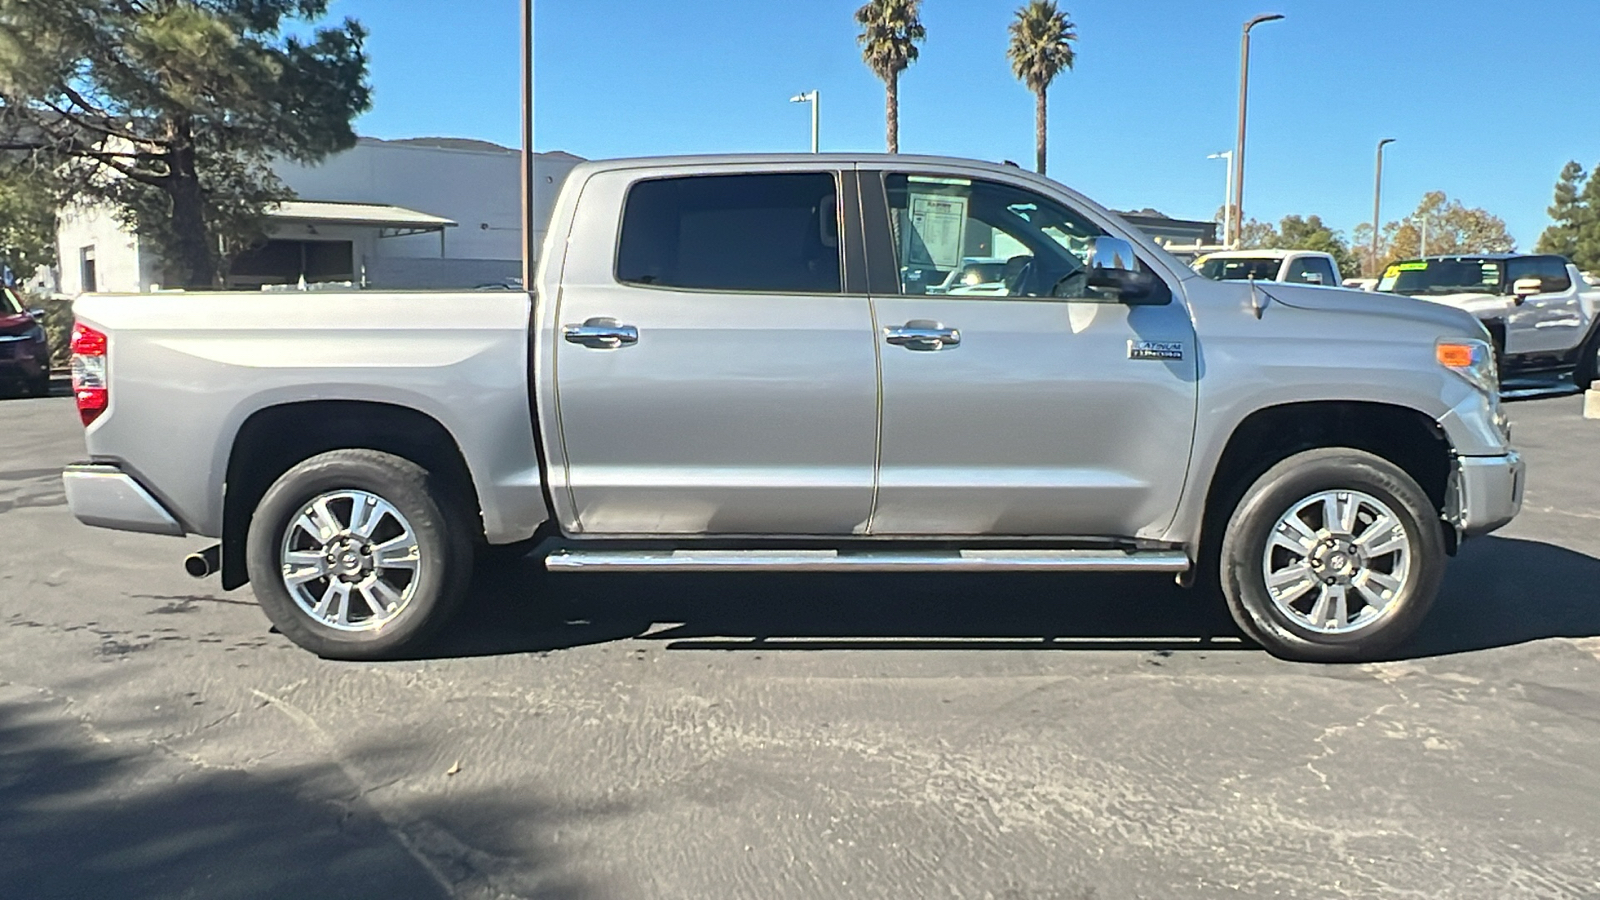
(357, 554)
(1333, 555)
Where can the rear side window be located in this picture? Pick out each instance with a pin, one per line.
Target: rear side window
(755, 233)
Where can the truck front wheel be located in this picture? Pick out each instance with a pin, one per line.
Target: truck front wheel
(357, 554)
(1333, 555)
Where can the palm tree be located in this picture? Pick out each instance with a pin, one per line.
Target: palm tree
(890, 32)
(1041, 46)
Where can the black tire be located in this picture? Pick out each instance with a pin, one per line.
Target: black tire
(1273, 495)
(1588, 369)
(437, 524)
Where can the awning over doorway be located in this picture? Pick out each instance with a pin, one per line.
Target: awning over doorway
(391, 221)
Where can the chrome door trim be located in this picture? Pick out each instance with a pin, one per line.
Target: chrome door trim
(601, 334)
(922, 334)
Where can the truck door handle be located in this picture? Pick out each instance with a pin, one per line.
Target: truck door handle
(601, 334)
(923, 334)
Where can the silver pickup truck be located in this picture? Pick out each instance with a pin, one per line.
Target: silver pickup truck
(736, 363)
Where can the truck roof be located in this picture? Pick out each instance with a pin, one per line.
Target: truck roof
(1498, 256)
(886, 160)
(1260, 254)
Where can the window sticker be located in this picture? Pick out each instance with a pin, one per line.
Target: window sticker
(937, 232)
(1411, 267)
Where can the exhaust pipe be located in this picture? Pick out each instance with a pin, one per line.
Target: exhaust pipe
(204, 563)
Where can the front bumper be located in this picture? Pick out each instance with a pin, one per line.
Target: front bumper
(1485, 492)
(107, 497)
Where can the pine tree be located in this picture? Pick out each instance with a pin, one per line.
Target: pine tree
(1586, 239)
(1566, 213)
(173, 111)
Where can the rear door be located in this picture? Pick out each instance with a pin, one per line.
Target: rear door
(717, 375)
(1034, 408)
(1550, 321)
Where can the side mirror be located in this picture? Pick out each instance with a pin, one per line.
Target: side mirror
(1114, 270)
(1527, 287)
(37, 313)
(1112, 253)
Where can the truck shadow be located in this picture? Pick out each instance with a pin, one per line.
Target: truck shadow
(1500, 592)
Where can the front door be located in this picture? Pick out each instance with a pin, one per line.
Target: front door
(1017, 400)
(715, 378)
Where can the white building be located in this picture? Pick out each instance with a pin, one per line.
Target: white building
(421, 213)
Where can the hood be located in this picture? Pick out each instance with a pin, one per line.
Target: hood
(16, 323)
(1374, 305)
(1484, 306)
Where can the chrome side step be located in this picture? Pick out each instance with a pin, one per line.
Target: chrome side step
(866, 561)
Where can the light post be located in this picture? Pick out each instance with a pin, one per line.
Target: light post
(1227, 191)
(815, 99)
(1238, 147)
(1377, 200)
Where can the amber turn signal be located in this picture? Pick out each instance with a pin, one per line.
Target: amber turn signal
(1456, 356)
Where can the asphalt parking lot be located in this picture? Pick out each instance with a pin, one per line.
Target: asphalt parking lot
(1019, 737)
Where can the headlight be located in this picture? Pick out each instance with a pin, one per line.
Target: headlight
(1472, 360)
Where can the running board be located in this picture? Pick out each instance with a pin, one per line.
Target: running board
(881, 561)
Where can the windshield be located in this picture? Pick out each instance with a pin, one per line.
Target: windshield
(1240, 268)
(1419, 277)
(8, 303)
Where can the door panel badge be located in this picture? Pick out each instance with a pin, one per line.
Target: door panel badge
(1165, 351)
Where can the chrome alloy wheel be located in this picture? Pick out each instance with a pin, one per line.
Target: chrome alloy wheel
(350, 560)
(1336, 561)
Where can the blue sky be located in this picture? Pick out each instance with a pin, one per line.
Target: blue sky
(1484, 106)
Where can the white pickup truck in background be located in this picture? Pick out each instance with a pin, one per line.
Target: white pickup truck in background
(1288, 266)
(1541, 312)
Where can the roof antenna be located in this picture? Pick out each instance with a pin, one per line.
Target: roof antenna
(1007, 162)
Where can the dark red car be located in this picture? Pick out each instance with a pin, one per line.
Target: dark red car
(24, 351)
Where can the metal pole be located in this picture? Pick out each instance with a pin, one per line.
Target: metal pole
(1422, 238)
(816, 118)
(529, 247)
(1238, 147)
(1227, 193)
(815, 99)
(1377, 201)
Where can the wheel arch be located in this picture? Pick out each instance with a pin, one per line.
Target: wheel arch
(1404, 436)
(276, 438)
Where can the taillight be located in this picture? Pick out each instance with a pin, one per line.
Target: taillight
(89, 372)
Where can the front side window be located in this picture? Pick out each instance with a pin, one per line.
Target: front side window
(1311, 270)
(776, 233)
(1550, 270)
(961, 237)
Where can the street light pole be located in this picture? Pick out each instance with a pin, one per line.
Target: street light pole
(1238, 147)
(1377, 201)
(1227, 191)
(529, 248)
(815, 99)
